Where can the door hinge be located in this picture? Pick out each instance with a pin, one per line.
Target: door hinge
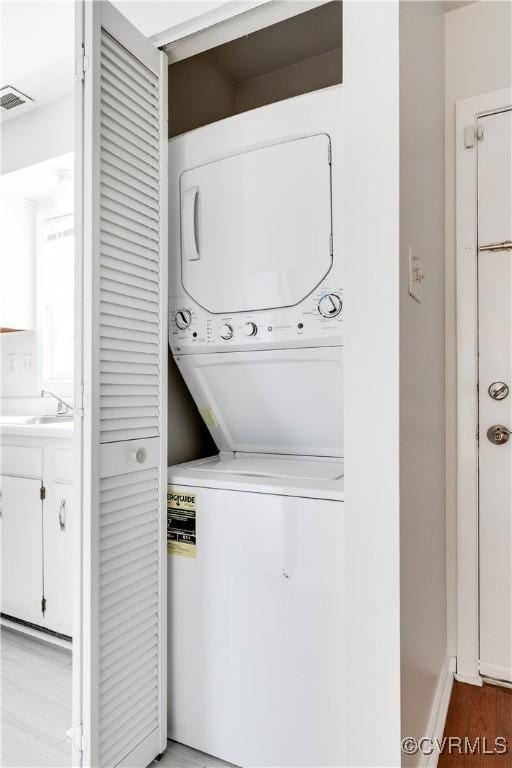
(81, 65)
(79, 400)
(77, 738)
(42, 493)
(43, 605)
(472, 134)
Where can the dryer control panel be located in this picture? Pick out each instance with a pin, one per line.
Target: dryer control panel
(318, 320)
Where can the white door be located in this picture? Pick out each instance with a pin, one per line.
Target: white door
(495, 393)
(21, 516)
(122, 300)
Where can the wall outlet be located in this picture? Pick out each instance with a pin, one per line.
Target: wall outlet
(416, 277)
(12, 363)
(28, 362)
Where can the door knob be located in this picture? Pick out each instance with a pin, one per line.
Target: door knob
(498, 434)
(140, 455)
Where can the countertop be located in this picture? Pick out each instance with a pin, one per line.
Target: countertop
(14, 425)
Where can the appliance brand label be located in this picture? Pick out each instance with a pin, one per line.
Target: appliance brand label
(181, 522)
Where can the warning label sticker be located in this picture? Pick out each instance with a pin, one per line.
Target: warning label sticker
(181, 522)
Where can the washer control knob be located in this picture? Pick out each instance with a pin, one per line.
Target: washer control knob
(183, 318)
(226, 332)
(250, 329)
(330, 305)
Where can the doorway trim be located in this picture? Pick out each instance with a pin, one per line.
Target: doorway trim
(467, 113)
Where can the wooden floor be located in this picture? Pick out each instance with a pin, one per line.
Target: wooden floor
(478, 714)
(35, 709)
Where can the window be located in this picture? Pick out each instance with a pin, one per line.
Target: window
(55, 299)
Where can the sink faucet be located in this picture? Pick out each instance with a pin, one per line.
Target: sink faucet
(63, 408)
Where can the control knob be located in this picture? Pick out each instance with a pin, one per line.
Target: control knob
(250, 329)
(226, 332)
(183, 318)
(330, 305)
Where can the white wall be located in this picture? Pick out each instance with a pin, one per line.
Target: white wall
(371, 509)
(38, 135)
(155, 16)
(478, 60)
(422, 416)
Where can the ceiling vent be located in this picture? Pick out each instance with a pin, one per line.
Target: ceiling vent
(13, 100)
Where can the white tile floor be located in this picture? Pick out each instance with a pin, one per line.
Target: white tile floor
(35, 709)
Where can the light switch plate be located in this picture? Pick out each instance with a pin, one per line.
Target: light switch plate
(416, 277)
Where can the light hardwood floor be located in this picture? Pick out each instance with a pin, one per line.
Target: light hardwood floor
(35, 709)
(35, 702)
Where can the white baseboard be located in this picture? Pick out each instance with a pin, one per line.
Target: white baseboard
(437, 720)
(46, 637)
(469, 679)
(495, 672)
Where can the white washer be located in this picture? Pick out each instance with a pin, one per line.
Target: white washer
(256, 614)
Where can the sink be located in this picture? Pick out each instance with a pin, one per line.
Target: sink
(49, 419)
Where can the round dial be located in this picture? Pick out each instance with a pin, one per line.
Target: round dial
(183, 318)
(330, 305)
(250, 329)
(226, 332)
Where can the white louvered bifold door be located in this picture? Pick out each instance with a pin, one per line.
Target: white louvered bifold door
(123, 642)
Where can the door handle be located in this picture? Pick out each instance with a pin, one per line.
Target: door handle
(190, 248)
(498, 434)
(139, 455)
(62, 515)
(506, 245)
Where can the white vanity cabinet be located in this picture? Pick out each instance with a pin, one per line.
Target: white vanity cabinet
(36, 527)
(21, 529)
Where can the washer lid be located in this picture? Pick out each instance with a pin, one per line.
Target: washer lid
(281, 401)
(271, 467)
(223, 206)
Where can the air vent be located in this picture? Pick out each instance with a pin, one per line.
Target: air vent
(11, 99)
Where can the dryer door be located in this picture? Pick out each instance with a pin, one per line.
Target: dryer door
(280, 401)
(256, 227)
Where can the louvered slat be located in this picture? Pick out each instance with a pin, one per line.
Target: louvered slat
(128, 605)
(123, 273)
(130, 376)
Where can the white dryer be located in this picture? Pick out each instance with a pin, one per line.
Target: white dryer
(256, 609)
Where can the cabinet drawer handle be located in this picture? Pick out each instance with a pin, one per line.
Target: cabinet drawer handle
(62, 514)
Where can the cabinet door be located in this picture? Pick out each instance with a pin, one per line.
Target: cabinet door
(22, 548)
(57, 557)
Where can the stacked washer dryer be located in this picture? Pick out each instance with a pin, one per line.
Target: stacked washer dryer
(256, 568)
